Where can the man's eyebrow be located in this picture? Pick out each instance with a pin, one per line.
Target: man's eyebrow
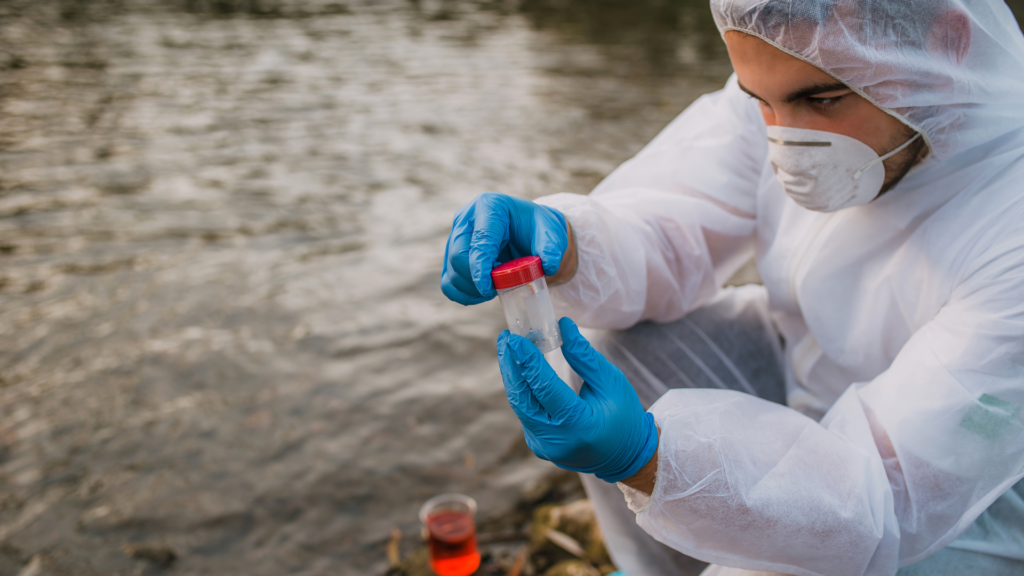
(814, 90)
(804, 92)
(749, 93)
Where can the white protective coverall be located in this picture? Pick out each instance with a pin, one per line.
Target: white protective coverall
(903, 319)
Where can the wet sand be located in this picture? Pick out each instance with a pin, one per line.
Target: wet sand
(221, 231)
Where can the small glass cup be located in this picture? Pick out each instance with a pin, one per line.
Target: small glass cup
(451, 534)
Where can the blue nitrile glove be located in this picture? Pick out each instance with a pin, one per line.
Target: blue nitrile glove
(603, 431)
(494, 229)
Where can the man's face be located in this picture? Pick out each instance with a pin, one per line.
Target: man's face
(795, 94)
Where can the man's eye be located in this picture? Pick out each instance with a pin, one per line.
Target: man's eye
(759, 101)
(826, 103)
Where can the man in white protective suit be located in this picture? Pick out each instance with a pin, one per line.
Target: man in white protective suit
(859, 413)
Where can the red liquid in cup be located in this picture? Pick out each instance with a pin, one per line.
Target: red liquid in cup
(452, 544)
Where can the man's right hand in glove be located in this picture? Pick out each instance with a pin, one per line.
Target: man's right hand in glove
(495, 228)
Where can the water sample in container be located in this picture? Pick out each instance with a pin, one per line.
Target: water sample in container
(527, 303)
(451, 534)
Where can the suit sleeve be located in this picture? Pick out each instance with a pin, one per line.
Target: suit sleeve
(660, 234)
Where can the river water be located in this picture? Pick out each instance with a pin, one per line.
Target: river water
(221, 232)
(222, 227)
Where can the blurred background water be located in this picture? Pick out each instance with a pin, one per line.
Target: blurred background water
(221, 231)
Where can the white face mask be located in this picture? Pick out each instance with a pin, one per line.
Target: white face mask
(823, 171)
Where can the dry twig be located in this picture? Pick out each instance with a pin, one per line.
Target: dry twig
(396, 538)
(517, 567)
(566, 542)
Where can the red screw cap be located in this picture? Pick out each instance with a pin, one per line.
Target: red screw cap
(517, 272)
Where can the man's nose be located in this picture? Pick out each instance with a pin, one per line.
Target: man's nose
(781, 116)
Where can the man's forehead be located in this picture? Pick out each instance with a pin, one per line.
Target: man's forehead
(761, 67)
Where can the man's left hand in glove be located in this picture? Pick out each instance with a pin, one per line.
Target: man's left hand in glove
(602, 431)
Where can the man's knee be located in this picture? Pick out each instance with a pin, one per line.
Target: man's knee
(728, 344)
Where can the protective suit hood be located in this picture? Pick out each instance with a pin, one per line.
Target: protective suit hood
(952, 69)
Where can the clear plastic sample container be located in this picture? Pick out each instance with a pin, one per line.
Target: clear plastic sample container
(527, 303)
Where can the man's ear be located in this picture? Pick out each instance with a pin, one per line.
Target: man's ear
(950, 35)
